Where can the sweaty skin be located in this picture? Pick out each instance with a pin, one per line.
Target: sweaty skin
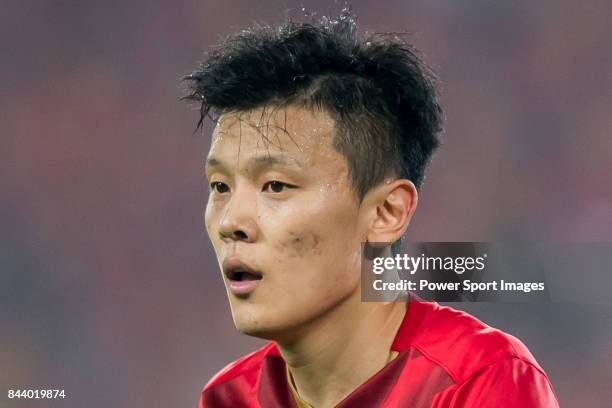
(281, 201)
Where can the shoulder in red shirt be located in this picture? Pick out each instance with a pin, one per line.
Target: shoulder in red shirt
(447, 359)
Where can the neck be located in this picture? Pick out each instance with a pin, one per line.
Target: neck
(342, 349)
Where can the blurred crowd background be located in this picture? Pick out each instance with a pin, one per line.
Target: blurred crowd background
(109, 287)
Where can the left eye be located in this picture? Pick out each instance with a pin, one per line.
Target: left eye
(275, 186)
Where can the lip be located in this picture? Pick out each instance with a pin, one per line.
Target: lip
(233, 265)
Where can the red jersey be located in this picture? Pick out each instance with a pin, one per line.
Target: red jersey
(447, 359)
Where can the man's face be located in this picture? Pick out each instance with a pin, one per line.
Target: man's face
(283, 218)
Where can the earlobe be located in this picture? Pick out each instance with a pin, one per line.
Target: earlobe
(394, 205)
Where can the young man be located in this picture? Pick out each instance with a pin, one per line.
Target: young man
(320, 145)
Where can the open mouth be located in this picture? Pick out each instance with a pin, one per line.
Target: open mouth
(239, 276)
(242, 278)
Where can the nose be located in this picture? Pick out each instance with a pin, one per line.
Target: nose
(238, 220)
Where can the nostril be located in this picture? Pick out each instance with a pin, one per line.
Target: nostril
(240, 235)
(237, 235)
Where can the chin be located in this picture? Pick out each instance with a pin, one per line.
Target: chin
(262, 326)
(248, 321)
(260, 331)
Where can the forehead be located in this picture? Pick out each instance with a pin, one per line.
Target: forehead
(303, 134)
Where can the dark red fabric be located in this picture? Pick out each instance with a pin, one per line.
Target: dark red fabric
(447, 359)
(274, 391)
(374, 392)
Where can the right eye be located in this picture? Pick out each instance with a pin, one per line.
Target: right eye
(219, 187)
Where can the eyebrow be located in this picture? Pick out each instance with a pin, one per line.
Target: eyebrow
(265, 160)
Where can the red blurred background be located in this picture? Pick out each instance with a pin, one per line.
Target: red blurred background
(109, 287)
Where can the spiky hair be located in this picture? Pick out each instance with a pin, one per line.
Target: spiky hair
(379, 92)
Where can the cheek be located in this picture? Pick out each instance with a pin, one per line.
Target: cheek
(317, 223)
(317, 269)
(211, 216)
(207, 218)
(317, 236)
(303, 243)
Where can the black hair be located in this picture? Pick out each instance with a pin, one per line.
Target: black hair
(380, 94)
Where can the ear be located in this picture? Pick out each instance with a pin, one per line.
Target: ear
(391, 206)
